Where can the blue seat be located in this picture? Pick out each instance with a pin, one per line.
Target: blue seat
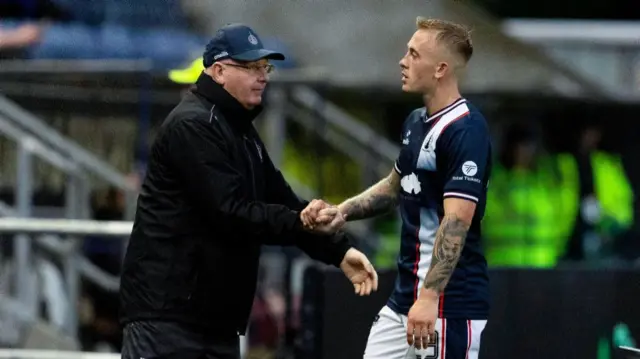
(166, 48)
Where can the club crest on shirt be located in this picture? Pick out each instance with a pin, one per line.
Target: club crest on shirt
(405, 141)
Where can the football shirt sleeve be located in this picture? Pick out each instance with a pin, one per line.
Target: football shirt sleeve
(467, 148)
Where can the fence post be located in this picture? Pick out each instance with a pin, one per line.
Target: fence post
(22, 243)
(77, 207)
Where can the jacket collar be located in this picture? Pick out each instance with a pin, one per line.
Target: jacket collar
(236, 114)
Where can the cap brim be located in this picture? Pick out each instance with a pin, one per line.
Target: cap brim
(255, 55)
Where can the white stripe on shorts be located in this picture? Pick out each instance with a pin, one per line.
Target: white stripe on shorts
(388, 339)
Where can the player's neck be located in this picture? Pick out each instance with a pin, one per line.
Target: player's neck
(441, 97)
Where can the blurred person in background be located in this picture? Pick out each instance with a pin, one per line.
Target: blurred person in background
(211, 197)
(527, 220)
(14, 39)
(23, 22)
(98, 29)
(104, 252)
(100, 329)
(596, 181)
(440, 303)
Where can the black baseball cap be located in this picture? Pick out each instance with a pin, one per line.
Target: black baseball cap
(238, 42)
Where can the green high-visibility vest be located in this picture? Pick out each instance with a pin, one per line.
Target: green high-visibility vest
(521, 226)
(611, 186)
(530, 214)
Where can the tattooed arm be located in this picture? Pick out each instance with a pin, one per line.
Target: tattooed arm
(379, 199)
(450, 240)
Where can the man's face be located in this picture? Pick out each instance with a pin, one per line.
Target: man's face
(423, 63)
(245, 81)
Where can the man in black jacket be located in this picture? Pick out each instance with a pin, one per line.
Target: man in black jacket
(210, 199)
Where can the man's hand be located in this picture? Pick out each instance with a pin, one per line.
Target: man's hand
(421, 321)
(322, 217)
(358, 269)
(311, 212)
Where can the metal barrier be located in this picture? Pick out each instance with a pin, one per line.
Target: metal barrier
(35, 138)
(66, 226)
(80, 156)
(71, 227)
(47, 135)
(53, 354)
(76, 204)
(61, 248)
(356, 130)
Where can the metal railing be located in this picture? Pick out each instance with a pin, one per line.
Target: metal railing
(53, 243)
(64, 227)
(62, 248)
(53, 354)
(77, 200)
(355, 129)
(64, 146)
(37, 139)
(344, 133)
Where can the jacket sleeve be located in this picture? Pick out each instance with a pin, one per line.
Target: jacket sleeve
(197, 151)
(329, 250)
(326, 249)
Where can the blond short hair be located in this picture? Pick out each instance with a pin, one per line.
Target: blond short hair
(456, 37)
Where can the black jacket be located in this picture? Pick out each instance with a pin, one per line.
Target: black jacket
(211, 197)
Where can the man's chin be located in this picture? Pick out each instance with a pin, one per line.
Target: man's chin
(406, 88)
(256, 101)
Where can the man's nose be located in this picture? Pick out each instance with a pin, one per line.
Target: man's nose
(401, 62)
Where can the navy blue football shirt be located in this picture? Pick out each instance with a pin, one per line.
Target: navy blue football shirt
(445, 155)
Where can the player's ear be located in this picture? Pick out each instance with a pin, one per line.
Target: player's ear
(441, 69)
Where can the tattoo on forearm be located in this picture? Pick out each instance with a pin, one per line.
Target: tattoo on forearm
(378, 199)
(446, 252)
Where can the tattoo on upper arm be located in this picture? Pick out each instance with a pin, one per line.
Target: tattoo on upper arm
(447, 248)
(378, 199)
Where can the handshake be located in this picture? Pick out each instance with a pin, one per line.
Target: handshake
(322, 218)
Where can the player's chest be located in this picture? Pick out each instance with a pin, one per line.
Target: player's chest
(419, 151)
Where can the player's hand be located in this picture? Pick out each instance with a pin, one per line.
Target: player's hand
(310, 213)
(332, 227)
(321, 217)
(421, 321)
(360, 271)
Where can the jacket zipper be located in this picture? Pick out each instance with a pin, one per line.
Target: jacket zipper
(253, 178)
